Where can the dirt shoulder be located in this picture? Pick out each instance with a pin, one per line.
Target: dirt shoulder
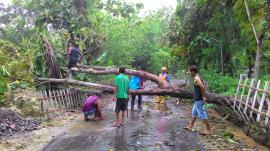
(37, 139)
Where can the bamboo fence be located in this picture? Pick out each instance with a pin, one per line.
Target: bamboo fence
(252, 100)
(56, 102)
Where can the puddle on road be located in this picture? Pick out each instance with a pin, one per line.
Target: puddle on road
(162, 107)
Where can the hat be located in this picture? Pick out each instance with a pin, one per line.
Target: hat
(164, 69)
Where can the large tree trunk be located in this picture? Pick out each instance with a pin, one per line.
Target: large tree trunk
(175, 92)
(105, 71)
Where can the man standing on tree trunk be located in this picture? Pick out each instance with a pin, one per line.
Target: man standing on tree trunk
(198, 110)
(121, 96)
(73, 53)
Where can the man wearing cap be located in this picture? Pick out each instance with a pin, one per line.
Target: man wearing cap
(166, 78)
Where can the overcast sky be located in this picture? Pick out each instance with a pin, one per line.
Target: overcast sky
(148, 4)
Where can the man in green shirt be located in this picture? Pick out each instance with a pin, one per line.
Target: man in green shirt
(121, 96)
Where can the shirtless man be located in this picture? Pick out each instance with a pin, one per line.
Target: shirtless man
(198, 110)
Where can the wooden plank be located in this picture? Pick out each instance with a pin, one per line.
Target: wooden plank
(262, 100)
(267, 102)
(267, 114)
(51, 103)
(41, 105)
(255, 97)
(46, 94)
(72, 99)
(80, 97)
(60, 92)
(237, 91)
(56, 100)
(248, 96)
(68, 100)
(64, 98)
(76, 99)
(59, 102)
(242, 94)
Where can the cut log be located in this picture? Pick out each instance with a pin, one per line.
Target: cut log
(174, 92)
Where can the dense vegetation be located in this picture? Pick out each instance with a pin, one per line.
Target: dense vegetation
(216, 35)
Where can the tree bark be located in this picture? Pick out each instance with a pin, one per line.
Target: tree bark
(257, 61)
(258, 42)
(174, 92)
(105, 71)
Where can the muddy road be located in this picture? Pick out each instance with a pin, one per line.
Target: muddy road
(156, 127)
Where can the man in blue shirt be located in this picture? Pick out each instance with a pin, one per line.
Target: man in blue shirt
(136, 83)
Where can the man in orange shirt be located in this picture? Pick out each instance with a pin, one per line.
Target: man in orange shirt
(166, 78)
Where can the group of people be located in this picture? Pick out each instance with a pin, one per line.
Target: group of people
(93, 105)
(121, 96)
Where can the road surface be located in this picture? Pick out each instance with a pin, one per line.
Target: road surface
(156, 128)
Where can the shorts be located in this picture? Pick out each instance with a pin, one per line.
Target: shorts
(72, 63)
(90, 112)
(199, 110)
(121, 104)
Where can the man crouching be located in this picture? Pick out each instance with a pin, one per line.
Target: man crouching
(92, 105)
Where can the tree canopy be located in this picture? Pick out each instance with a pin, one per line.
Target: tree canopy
(215, 35)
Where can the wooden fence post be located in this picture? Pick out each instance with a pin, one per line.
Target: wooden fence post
(237, 91)
(254, 100)
(262, 100)
(68, 99)
(241, 98)
(268, 113)
(248, 96)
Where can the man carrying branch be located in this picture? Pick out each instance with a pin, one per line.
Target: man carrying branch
(198, 110)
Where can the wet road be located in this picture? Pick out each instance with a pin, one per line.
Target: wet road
(156, 128)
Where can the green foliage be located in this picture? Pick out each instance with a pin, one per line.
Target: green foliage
(112, 33)
(218, 83)
(200, 28)
(15, 67)
(136, 41)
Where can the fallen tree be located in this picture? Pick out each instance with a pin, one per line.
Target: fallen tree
(175, 92)
(50, 58)
(106, 71)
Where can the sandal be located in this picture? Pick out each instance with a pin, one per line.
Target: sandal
(116, 125)
(205, 132)
(188, 128)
